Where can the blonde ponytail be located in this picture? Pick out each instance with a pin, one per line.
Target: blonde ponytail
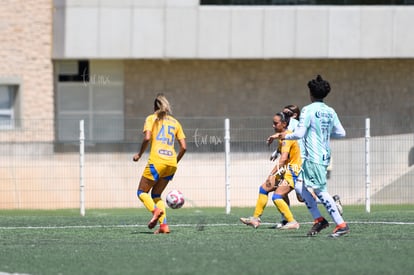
(161, 106)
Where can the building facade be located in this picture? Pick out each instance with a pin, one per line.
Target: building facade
(26, 71)
(104, 61)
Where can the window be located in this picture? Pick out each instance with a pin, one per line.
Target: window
(91, 91)
(74, 71)
(8, 105)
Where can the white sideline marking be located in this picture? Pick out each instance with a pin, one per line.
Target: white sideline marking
(172, 225)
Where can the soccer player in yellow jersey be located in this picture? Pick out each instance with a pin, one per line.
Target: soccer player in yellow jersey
(161, 130)
(281, 180)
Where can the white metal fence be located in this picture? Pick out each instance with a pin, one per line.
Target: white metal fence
(47, 175)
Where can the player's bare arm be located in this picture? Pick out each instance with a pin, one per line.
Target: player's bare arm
(183, 149)
(144, 145)
(280, 136)
(271, 138)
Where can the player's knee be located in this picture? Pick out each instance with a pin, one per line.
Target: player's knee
(139, 192)
(277, 197)
(263, 191)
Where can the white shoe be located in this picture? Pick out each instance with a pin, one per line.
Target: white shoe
(290, 225)
(252, 221)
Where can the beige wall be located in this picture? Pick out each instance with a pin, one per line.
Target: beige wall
(381, 89)
(25, 54)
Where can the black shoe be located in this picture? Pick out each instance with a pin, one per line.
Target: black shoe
(340, 231)
(317, 227)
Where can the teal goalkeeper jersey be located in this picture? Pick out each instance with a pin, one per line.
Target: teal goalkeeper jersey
(318, 123)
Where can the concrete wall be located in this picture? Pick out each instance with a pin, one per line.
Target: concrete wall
(25, 54)
(248, 61)
(389, 169)
(184, 29)
(378, 88)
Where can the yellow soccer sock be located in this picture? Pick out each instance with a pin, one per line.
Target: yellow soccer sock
(260, 205)
(284, 209)
(161, 205)
(147, 201)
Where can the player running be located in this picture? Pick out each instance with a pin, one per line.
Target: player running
(161, 130)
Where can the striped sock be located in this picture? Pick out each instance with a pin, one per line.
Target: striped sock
(330, 206)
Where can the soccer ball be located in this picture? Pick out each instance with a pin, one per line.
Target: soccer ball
(175, 199)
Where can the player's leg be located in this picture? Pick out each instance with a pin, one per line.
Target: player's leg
(283, 190)
(328, 202)
(283, 219)
(156, 195)
(261, 202)
(166, 174)
(144, 187)
(308, 178)
(338, 203)
(307, 197)
(326, 199)
(148, 180)
(330, 205)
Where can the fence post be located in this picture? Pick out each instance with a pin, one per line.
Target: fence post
(227, 162)
(367, 167)
(81, 166)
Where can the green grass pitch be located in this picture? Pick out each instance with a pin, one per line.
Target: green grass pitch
(203, 241)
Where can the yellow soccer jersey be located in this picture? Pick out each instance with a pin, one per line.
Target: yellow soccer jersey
(294, 161)
(163, 135)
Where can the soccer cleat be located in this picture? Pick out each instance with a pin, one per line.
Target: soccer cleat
(163, 229)
(251, 221)
(340, 231)
(318, 226)
(290, 225)
(156, 214)
(338, 203)
(282, 223)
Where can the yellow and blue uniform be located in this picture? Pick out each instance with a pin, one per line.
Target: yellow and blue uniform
(294, 162)
(291, 173)
(162, 161)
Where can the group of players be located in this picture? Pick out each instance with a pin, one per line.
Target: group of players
(302, 158)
